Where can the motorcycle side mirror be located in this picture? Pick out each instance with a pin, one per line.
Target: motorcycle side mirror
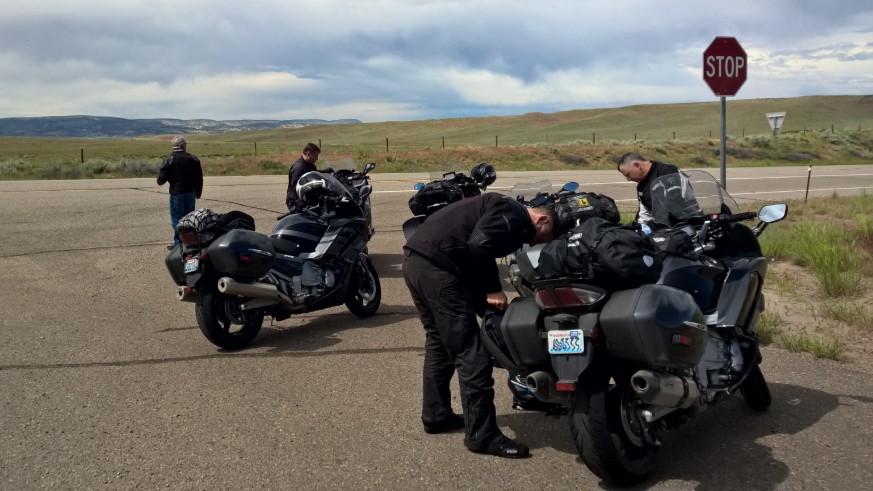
(570, 187)
(773, 213)
(366, 191)
(369, 166)
(418, 186)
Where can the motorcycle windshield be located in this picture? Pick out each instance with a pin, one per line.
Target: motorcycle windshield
(526, 191)
(683, 196)
(345, 163)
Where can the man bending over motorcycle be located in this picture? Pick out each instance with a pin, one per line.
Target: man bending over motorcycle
(451, 271)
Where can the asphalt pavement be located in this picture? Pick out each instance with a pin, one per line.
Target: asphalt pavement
(107, 383)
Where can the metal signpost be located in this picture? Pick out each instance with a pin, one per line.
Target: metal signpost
(724, 70)
(775, 120)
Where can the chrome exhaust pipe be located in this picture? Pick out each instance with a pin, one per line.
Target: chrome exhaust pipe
(186, 294)
(542, 384)
(229, 286)
(663, 389)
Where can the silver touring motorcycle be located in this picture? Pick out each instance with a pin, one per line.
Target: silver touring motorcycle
(315, 257)
(631, 359)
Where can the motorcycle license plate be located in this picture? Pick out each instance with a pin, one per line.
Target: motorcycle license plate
(569, 342)
(191, 265)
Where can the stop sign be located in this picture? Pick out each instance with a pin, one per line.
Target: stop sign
(724, 66)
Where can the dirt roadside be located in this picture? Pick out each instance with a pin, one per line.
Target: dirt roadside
(801, 313)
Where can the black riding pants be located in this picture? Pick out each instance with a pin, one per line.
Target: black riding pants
(452, 343)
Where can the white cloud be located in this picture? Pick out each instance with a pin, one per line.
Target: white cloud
(407, 59)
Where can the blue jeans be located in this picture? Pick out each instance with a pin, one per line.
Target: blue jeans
(180, 205)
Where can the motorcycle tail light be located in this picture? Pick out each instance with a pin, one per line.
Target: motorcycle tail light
(190, 239)
(567, 297)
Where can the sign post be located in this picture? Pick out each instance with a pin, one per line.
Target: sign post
(775, 120)
(724, 70)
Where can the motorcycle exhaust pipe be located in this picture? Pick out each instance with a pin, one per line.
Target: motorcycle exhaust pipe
(542, 384)
(229, 286)
(663, 389)
(186, 294)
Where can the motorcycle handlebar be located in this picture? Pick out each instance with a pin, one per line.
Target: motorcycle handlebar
(739, 217)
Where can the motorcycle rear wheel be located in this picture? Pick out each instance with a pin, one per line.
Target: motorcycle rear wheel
(755, 390)
(606, 430)
(365, 290)
(223, 322)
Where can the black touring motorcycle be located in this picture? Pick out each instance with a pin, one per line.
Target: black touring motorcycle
(635, 334)
(314, 258)
(445, 188)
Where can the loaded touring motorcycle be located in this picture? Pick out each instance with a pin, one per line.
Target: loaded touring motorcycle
(444, 189)
(314, 258)
(632, 356)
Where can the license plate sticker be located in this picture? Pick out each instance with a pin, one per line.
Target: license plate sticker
(570, 342)
(191, 265)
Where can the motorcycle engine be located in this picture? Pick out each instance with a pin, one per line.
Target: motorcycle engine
(722, 362)
(314, 280)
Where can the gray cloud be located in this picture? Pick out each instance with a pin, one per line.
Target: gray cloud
(411, 59)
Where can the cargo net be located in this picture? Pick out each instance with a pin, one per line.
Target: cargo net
(206, 224)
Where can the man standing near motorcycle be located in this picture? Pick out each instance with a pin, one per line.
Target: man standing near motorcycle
(185, 175)
(451, 271)
(306, 163)
(634, 167)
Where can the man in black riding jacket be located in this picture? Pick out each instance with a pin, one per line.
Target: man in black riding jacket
(451, 271)
(634, 167)
(185, 175)
(306, 163)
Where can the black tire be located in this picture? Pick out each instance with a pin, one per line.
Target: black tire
(755, 390)
(223, 323)
(609, 438)
(365, 290)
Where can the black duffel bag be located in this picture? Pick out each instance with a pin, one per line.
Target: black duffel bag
(610, 255)
(574, 209)
(433, 196)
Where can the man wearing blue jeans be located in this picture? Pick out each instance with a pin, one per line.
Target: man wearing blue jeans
(185, 175)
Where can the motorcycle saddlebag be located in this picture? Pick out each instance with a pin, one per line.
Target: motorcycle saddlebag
(656, 324)
(242, 254)
(513, 338)
(175, 265)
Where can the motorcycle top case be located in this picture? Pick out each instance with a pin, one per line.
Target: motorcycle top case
(242, 254)
(659, 325)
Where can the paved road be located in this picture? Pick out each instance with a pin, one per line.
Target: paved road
(108, 384)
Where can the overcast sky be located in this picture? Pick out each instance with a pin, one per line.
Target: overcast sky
(385, 60)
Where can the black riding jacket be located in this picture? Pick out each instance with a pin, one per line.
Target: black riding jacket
(467, 236)
(184, 173)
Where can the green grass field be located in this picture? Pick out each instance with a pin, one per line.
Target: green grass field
(817, 130)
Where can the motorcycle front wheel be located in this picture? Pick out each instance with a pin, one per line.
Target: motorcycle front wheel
(365, 290)
(607, 430)
(223, 322)
(755, 390)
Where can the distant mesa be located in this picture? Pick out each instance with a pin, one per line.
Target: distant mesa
(105, 127)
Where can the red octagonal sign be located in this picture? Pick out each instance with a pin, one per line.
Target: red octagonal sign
(724, 66)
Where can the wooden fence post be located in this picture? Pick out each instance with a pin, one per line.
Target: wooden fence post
(256, 149)
(386, 145)
(594, 138)
(82, 155)
(444, 142)
(495, 140)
